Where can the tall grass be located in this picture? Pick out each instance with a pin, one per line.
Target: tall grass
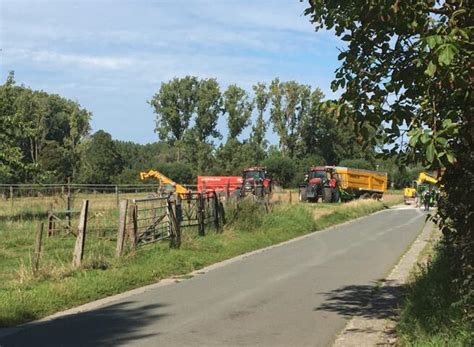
(434, 313)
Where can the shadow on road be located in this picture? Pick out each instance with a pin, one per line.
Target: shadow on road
(370, 301)
(109, 326)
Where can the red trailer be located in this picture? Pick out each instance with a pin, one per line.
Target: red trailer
(219, 183)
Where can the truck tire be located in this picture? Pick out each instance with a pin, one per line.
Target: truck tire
(364, 196)
(327, 194)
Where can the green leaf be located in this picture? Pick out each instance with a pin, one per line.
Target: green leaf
(447, 123)
(442, 141)
(450, 157)
(430, 152)
(447, 54)
(414, 139)
(431, 69)
(433, 40)
(425, 137)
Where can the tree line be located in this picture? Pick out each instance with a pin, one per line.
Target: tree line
(47, 139)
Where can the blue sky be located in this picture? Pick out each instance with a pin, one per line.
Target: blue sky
(112, 55)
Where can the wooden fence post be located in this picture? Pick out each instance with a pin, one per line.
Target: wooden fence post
(50, 223)
(215, 207)
(200, 214)
(122, 227)
(117, 195)
(175, 230)
(37, 254)
(11, 195)
(81, 236)
(68, 204)
(222, 214)
(178, 209)
(290, 199)
(133, 224)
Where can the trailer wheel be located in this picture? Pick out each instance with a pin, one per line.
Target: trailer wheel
(365, 196)
(327, 197)
(375, 196)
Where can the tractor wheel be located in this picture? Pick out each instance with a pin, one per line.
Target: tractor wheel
(302, 196)
(335, 196)
(327, 197)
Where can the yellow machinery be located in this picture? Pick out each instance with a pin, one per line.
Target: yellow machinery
(362, 183)
(163, 180)
(410, 192)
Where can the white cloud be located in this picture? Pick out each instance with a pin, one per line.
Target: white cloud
(100, 51)
(69, 59)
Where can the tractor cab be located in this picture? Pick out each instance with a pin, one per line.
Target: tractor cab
(255, 181)
(320, 182)
(321, 175)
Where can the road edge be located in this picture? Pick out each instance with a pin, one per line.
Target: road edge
(365, 331)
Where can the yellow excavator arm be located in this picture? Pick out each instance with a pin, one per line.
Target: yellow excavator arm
(409, 192)
(164, 180)
(424, 177)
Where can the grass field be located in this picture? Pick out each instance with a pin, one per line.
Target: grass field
(58, 286)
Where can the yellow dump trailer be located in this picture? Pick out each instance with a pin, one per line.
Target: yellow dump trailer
(361, 183)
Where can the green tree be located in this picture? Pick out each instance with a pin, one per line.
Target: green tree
(310, 124)
(408, 66)
(32, 122)
(357, 164)
(78, 125)
(209, 107)
(238, 109)
(101, 162)
(55, 163)
(10, 129)
(259, 129)
(290, 102)
(174, 105)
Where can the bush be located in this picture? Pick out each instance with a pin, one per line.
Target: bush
(178, 172)
(281, 168)
(246, 215)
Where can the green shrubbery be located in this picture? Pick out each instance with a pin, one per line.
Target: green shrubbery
(434, 313)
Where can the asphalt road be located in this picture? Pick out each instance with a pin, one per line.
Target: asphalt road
(298, 294)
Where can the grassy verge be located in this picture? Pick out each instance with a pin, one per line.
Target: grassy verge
(24, 297)
(433, 313)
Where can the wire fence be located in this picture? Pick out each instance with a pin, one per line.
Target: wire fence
(99, 222)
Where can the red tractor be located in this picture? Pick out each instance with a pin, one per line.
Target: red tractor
(320, 182)
(256, 182)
